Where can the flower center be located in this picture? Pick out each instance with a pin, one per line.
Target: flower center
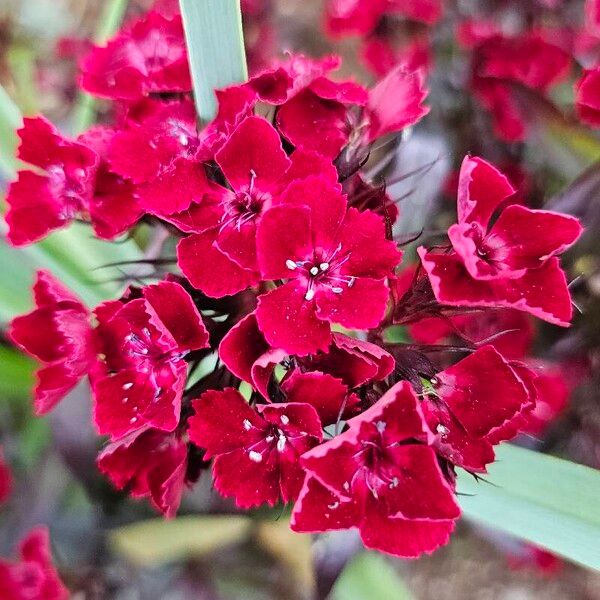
(323, 270)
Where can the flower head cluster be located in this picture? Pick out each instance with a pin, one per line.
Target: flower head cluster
(265, 352)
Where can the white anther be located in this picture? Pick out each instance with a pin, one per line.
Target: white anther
(255, 456)
(381, 425)
(144, 350)
(247, 424)
(281, 443)
(394, 483)
(127, 386)
(133, 420)
(310, 294)
(351, 281)
(324, 266)
(434, 381)
(337, 290)
(346, 486)
(183, 139)
(314, 271)
(442, 429)
(291, 265)
(270, 438)
(79, 172)
(285, 419)
(333, 506)
(125, 400)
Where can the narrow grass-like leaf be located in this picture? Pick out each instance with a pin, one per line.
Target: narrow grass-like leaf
(371, 576)
(10, 121)
(544, 500)
(215, 42)
(109, 22)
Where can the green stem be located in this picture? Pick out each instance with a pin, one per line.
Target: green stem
(110, 21)
(215, 42)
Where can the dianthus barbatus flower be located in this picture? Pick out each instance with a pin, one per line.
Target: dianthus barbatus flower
(510, 262)
(150, 463)
(33, 576)
(335, 260)
(256, 452)
(142, 343)
(466, 402)
(57, 333)
(148, 57)
(40, 202)
(381, 477)
(247, 354)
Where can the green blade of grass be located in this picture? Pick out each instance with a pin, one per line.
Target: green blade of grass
(215, 42)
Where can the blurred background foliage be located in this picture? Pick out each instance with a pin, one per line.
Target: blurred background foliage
(109, 547)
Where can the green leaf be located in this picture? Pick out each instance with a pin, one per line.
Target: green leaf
(547, 501)
(215, 42)
(109, 23)
(371, 576)
(159, 541)
(16, 374)
(10, 121)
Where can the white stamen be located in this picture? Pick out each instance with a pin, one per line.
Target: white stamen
(133, 420)
(270, 438)
(394, 483)
(434, 381)
(127, 386)
(285, 419)
(247, 424)
(255, 456)
(351, 281)
(337, 290)
(346, 485)
(314, 271)
(125, 400)
(380, 426)
(281, 443)
(144, 350)
(310, 294)
(324, 266)
(441, 429)
(333, 506)
(291, 265)
(183, 139)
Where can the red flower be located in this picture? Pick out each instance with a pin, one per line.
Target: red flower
(57, 333)
(225, 220)
(335, 261)
(528, 60)
(42, 202)
(114, 207)
(256, 453)
(143, 342)
(154, 142)
(6, 481)
(314, 115)
(469, 400)
(394, 103)
(381, 477)
(34, 576)
(148, 57)
(246, 353)
(149, 463)
(511, 263)
(361, 17)
(587, 97)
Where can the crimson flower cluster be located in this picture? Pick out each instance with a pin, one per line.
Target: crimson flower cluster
(287, 272)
